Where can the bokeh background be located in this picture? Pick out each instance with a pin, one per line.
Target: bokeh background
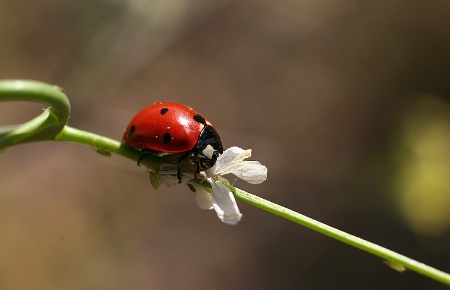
(347, 103)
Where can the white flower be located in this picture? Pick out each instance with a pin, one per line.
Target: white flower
(219, 197)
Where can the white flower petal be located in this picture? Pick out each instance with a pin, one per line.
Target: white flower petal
(224, 204)
(230, 158)
(203, 198)
(251, 171)
(232, 161)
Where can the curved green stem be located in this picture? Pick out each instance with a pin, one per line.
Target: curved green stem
(34, 91)
(47, 125)
(51, 125)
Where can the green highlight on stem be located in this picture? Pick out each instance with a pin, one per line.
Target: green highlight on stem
(51, 125)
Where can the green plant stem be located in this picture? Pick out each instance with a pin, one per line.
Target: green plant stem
(51, 125)
(43, 127)
(103, 145)
(344, 237)
(34, 91)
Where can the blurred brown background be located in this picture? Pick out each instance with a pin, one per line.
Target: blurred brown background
(347, 103)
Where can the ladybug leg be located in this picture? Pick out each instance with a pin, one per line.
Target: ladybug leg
(180, 163)
(179, 174)
(197, 171)
(191, 187)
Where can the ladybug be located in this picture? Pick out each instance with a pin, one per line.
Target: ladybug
(168, 128)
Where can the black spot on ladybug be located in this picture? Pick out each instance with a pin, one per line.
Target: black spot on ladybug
(199, 118)
(167, 138)
(164, 110)
(132, 130)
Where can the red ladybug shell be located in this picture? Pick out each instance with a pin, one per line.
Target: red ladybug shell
(165, 127)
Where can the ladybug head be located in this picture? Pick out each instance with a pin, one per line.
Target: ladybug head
(209, 145)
